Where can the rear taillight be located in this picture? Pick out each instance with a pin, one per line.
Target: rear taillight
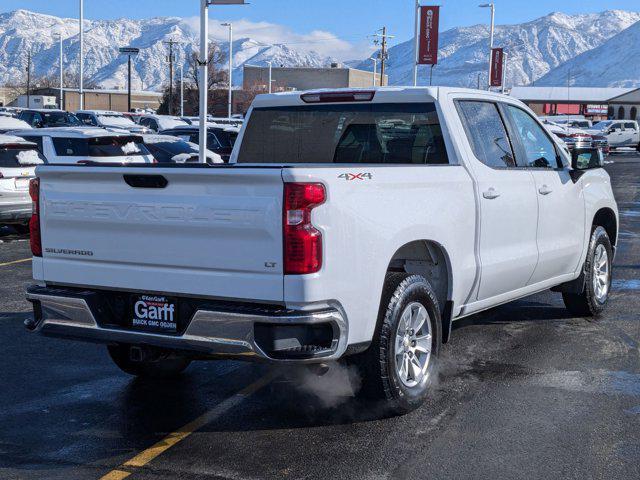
(34, 223)
(302, 241)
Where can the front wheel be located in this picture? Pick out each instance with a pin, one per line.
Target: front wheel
(399, 366)
(147, 363)
(597, 270)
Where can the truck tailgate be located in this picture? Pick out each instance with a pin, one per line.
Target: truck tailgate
(213, 232)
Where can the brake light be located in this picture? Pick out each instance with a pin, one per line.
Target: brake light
(302, 241)
(338, 96)
(34, 222)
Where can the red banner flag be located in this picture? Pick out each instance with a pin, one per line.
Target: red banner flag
(429, 22)
(497, 64)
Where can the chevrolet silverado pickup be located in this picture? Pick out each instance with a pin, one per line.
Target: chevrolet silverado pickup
(351, 225)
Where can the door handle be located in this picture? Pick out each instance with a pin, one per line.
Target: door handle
(545, 190)
(491, 194)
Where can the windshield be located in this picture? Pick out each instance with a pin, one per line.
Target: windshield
(345, 133)
(125, 146)
(16, 156)
(59, 119)
(602, 125)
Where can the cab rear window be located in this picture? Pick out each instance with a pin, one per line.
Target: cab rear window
(376, 133)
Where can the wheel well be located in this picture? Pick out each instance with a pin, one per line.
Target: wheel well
(429, 259)
(606, 219)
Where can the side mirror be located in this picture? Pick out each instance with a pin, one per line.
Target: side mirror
(587, 159)
(38, 124)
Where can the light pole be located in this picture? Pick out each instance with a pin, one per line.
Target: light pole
(504, 71)
(493, 13)
(270, 76)
(81, 89)
(181, 90)
(416, 41)
(129, 51)
(230, 25)
(61, 72)
(203, 65)
(375, 69)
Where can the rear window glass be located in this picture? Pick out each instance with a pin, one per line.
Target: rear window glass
(99, 147)
(359, 133)
(17, 156)
(164, 152)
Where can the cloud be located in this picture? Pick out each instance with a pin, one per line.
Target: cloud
(323, 42)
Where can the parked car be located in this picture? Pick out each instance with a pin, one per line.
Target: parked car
(10, 123)
(619, 133)
(333, 234)
(220, 139)
(49, 118)
(168, 149)
(110, 120)
(574, 139)
(159, 123)
(18, 159)
(73, 145)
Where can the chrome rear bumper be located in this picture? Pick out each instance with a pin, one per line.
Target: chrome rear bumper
(209, 333)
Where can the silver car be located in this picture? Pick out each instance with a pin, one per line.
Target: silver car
(18, 160)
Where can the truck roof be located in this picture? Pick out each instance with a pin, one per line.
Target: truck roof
(69, 132)
(381, 95)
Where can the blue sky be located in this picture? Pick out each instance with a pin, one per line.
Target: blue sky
(300, 21)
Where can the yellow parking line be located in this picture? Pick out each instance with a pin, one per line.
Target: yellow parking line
(24, 260)
(146, 456)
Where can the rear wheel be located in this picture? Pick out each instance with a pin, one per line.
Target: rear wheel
(146, 362)
(399, 366)
(595, 293)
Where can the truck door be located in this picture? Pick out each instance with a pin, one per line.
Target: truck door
(631, 135)
(561, 209)
(616, 135)
(507, 198)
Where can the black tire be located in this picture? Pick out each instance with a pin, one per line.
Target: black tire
(380, 380)
(586, 303)
(21, 228)
(157, 364)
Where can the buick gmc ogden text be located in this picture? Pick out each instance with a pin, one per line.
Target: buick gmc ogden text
(349, 225)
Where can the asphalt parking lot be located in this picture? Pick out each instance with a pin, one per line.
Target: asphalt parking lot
(525, 391)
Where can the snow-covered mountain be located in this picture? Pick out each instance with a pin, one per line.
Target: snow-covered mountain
(615, 63)
(21, 31)
(534, 49)
(538, 51)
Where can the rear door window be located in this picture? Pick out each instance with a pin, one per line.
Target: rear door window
(345, 133)
(630, 126)
(487, 133)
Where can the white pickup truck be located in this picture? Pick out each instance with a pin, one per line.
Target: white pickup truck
(351, 225)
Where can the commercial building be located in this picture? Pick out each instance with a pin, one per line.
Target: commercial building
(587, 101)
(303, 78)
(94, 99)
(626, 106)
